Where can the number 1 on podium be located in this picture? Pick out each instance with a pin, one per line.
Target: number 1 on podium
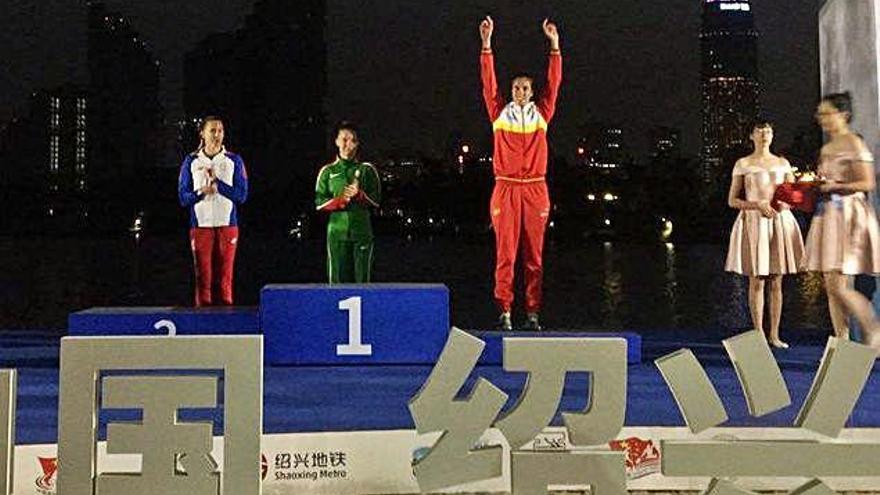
(354, 347)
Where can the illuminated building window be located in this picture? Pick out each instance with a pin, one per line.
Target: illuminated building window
(54, 153)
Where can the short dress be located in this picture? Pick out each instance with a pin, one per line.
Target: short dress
(761, 246)
(844, 235)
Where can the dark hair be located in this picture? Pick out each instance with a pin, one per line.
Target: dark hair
(761, 122)
(346, 125)
(842, 102)
(203, 124)
(208, 118)
(522, 75)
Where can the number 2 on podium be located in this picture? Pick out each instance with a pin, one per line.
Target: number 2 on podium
(354, 347)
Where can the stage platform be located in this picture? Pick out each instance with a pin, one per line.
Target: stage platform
(354, 398)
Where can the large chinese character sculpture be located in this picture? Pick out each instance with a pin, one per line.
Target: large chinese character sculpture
(160, 377)
(454, 459)
(842, 374)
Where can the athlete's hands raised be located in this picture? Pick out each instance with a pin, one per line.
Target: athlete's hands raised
(486, 28)
(551, 33)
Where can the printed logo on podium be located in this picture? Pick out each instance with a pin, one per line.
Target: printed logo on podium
(642, 457)
(46, 482)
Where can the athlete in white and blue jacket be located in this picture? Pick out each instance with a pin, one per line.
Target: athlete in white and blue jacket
(213, 183)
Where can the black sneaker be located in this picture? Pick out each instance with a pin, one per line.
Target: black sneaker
(504, 323)
(532, 323)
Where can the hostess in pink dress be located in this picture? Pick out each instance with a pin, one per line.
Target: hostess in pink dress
(761, 246)
(844, 235)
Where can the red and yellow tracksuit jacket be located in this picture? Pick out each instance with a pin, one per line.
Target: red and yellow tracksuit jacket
(520, 204)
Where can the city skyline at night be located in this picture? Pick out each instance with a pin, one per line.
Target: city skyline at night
(730, 84)
(650, 51)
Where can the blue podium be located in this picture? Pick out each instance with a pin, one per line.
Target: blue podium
(164, 320)
(316, 324)
(493, 353)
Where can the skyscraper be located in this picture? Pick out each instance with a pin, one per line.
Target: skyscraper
(65, 144)
(729, 76)
(267, 80)
(125, 116)
(45, 164)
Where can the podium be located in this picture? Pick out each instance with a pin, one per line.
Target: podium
(354, 324)
(324, 325)
(164, 320)
(493, 353)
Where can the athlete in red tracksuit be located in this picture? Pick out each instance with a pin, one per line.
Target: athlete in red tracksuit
(520, 203)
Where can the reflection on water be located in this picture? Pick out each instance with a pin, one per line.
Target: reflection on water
(590, 286)
(612, 287)
(812, 293)
(669, 288)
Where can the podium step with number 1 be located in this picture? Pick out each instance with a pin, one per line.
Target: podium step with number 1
(354, 324)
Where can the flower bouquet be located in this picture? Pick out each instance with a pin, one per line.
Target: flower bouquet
(801, 195)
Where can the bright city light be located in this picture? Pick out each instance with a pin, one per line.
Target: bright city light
(666, 231)
(735, 6)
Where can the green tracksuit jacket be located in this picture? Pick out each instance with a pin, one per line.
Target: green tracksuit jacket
(349, 233)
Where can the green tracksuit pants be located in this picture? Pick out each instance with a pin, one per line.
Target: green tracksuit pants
(349, 261)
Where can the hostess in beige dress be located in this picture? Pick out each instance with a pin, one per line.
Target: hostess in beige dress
(761, 246)
(844, 235)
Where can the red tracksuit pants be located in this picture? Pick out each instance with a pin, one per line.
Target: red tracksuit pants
(213, 251)
(519, 213)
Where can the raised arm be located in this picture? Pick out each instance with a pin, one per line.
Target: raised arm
(494, 101)
(547, 101)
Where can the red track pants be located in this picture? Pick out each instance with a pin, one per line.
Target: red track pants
(213, 251)
(519, 211)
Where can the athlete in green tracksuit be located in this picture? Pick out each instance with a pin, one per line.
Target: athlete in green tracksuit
(348, 189)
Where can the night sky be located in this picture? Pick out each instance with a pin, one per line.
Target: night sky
(408, 70)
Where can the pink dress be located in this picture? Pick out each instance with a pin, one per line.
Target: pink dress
(844, 235)
(761, 246)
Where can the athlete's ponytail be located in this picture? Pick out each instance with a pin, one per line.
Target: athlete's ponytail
(204, 123)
